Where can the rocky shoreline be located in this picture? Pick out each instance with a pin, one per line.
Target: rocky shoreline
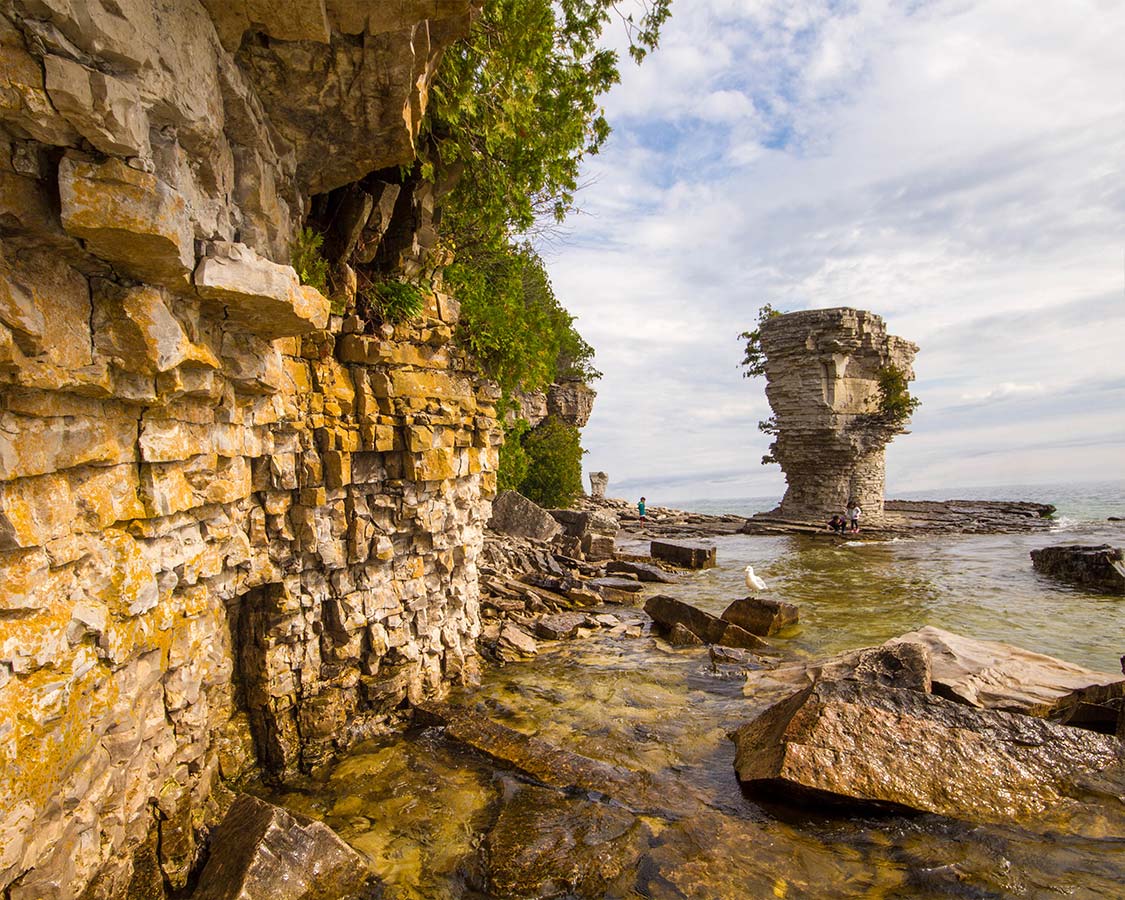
(902, 518)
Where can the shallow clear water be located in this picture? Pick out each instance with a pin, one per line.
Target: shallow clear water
(421, 808)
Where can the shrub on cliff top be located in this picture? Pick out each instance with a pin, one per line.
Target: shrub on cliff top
(754, 359)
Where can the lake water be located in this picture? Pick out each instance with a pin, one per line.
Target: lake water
(421, 808)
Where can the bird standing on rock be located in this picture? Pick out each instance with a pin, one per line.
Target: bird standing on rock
(753, 581)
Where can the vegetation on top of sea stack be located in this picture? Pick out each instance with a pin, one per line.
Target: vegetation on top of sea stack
(754, 359)
(896, 403)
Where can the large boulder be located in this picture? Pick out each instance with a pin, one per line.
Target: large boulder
(686, 556)
(1101, 567)
(993, 675)
(260, 850)
(761, 616)
(514, 514)
(668, 612)
(854, 741)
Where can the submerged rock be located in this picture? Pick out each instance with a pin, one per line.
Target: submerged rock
(1100, 567)
(686, 556)
(261, 851)
(879, 745)
(547, 764)
(761, 615)
(545, 844)
(668, 612)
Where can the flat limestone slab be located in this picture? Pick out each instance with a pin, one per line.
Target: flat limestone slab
(903, 748)
(993, 675)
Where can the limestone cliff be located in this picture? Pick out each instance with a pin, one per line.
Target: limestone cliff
(233, 527)
(822, 370)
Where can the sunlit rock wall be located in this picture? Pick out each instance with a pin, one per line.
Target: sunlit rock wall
(231, 526)
(822, 382)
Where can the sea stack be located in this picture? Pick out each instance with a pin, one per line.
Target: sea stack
(823, 369)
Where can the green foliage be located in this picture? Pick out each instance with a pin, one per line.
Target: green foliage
(554, 458)
(395, 301)
(514, 460)
(514, 110)
(896, 403)
(308, 259)
(513, 324)
(755, 360)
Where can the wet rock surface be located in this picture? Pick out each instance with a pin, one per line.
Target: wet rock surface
(1099, 568)
(545, 844)
(907, 749)
(262, 851)
(669, 614)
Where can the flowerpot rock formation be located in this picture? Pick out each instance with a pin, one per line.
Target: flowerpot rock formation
(822, 370)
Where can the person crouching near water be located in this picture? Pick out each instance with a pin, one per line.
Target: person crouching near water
(641, 509)
(837, 524)
(854, 514)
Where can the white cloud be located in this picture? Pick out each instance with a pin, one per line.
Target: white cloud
(953, 166)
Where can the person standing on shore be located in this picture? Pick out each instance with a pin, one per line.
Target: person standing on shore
(854, 514)
(641, 509)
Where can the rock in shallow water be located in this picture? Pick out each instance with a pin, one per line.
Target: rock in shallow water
(1101, 567)
(994, 675)
(761, 615)
(260, 851)
(668, 612)
(879, 745)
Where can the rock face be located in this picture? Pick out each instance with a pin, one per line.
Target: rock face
(571, 401)
(822, 369)
(229, 523)
(1100, 568)
(263, 851)
(904, 748)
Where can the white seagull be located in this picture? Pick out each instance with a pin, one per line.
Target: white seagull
(753, 581)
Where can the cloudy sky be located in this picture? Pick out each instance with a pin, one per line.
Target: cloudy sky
(956, 167)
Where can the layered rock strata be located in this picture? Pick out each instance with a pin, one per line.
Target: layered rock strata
(822, 371)
(232, 526)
